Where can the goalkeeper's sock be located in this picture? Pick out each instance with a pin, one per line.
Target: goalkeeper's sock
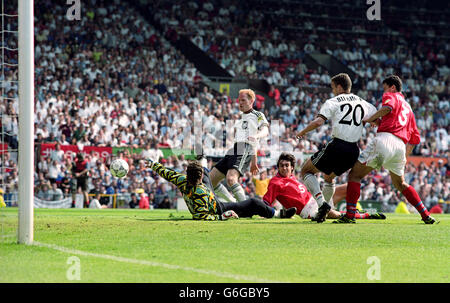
(413, 198)
(328, 192)
(314, 188)
(353, 192)
(223, 193)
(238, 192)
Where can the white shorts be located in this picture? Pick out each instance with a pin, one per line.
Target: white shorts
(310, 209)
(385, 150)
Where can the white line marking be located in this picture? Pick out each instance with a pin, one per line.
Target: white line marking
(7, 236)
(156, 264)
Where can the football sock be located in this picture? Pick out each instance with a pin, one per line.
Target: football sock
(413, 198)
(362, 216)
(277, 205)
(238, 192)
(313, 187)
(328, 192)
(221, 191)
(276, 213)
(353, 192)
(359, 215)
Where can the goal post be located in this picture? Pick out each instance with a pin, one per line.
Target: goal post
(26, 121)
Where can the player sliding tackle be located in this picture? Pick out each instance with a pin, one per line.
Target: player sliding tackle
(198, 193)
(396, 136)
(346, 111)
(285, 191)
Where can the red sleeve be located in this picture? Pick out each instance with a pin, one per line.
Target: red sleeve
(271, 193)
(388, 100)
(415, 135)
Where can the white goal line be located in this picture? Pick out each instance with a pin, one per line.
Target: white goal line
(155, 264)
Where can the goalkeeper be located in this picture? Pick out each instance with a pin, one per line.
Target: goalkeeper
(197, 191)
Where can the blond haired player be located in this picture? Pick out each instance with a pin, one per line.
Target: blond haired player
(242, 156)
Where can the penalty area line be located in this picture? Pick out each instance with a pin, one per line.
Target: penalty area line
(155, 264)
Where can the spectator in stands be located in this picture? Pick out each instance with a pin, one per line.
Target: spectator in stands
(274, 93)
(44, 192)
(95, 202)
(261, 184)
(438, 208)
(143, 200)
(133, 201)
(55, 193)
(165, 203)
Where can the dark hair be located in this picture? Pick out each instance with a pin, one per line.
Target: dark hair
(286, 157)
(393, 80)
(193, 173)
(343, 80)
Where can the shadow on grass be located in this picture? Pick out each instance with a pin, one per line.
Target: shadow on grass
(162, 219)
(240, 220)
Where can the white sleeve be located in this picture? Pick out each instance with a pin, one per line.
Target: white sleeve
(327, 110)
(370, 110)
(262, 121)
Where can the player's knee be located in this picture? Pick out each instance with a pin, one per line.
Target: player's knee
(355, 176)
(400, 185)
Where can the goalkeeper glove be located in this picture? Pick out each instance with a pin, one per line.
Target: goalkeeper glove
(150, 163)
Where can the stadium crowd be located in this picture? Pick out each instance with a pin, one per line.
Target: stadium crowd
(111, 79)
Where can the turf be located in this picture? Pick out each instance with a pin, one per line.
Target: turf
(167, 246)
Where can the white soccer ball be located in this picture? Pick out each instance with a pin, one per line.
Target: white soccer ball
(119, 168)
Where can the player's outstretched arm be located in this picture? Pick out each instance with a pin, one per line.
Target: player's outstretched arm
(380, 113)
(318, 122)
(170, 175)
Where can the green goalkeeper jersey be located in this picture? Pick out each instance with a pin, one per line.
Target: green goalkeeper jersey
(199, 199)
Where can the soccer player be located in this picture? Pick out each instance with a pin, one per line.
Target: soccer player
(198, 193)
(285, 191)
(81, 170)
(243, 155)
(346, 111)
(397, 134)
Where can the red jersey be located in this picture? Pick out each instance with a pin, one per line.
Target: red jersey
(288, 191)
(400, 121)
(80, 166)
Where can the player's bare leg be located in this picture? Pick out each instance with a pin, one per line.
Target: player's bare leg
(413, 198)
(232, 178)
(339, 193)
(309, 179)
(358, 172)
(216, 176)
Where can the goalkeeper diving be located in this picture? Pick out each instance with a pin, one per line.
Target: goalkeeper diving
(198, 193)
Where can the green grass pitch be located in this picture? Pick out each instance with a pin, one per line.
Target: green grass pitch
(124, 245)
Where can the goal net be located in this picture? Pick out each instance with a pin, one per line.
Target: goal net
(9, 106)
(17, 120)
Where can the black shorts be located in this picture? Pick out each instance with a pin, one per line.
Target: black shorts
(239, 157)
(83, 183)
(336, 157)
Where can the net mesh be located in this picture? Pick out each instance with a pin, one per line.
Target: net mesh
(9, 105)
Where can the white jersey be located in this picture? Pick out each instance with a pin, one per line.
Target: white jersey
(346, 112)
(249, 125)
